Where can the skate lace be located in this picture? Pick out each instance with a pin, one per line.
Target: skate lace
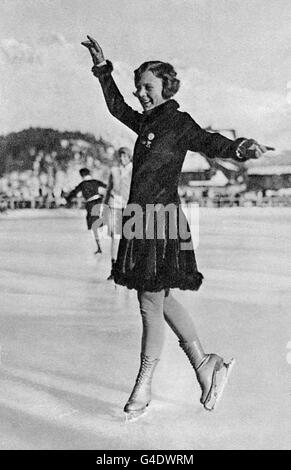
(146, 369)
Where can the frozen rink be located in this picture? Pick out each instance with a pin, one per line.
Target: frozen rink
(70, 340)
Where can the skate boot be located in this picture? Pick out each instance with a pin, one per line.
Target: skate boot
(141, 394)
(212, 375)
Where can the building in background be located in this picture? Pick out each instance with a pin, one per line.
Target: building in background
(270, 173)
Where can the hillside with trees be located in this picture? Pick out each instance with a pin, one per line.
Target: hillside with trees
(18, 150)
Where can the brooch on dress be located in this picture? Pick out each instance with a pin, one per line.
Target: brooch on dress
(149, 140)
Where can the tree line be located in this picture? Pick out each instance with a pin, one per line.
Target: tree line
(18, 150)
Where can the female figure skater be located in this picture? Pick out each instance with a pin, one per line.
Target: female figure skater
(154, 265)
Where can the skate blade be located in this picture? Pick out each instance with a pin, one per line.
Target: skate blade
(133, 416)
(220, 381)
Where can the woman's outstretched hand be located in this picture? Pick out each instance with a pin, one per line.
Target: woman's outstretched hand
(94, 49)
(250, 148)
(258, 149)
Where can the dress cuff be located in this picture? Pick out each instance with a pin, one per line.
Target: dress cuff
(102, 70)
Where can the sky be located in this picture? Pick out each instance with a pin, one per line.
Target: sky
(233, 58)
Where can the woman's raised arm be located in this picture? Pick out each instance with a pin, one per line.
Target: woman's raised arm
(115, 102)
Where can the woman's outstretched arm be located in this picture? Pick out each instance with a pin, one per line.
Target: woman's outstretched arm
(115, 102)
(216, 145)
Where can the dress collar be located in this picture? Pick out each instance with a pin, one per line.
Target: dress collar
(165, 108)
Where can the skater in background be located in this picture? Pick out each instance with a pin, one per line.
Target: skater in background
(116, 197)
(92, 191)
(154, 266)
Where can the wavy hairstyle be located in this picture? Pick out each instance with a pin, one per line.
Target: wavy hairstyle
(162, 70)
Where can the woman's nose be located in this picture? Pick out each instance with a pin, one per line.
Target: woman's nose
(141, 92)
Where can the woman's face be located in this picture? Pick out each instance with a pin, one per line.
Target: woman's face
(149, 91)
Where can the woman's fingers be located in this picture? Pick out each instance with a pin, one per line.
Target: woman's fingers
(86, 44)
(94, 49)
(263, 148)
(92, 40)
(94, 43)
(90, 47)
(259, 149)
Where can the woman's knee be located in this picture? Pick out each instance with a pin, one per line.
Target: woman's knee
(151, 303)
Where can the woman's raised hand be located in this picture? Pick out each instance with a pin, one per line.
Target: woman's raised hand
(94, 49)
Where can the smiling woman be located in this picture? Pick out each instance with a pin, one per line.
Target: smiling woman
(154, 265)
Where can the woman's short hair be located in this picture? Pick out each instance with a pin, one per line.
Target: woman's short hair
(162, 70)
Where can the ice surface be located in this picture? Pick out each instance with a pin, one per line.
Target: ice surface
(70, 340)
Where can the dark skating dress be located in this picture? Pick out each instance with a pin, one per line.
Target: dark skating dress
(162, 257)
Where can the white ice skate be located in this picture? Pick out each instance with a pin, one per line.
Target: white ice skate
(212, 373)
(213, 383)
